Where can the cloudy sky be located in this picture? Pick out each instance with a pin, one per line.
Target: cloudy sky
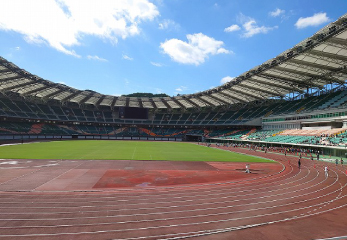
(158, 46)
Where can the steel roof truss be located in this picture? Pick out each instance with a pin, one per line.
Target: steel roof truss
(328, 55)
(274, 92)
(272, 83)
(302, 84)
(234, 96)
(241, 90)
(311, 64)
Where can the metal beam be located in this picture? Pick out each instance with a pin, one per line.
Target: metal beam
(235, 97)
(33, 91)
(312, 76)
(221, 100)
(329, 55)
(310, 64)
(338, 41)
(16, 86)
(283, 69)
(281, 86)
(304, 83)
(263, 90)
(52, 94)
(246, 93)
(6, 70)
(12, 78)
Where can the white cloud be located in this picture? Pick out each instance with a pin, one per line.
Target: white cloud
(158, 90)
(226, 79)
(181, 88)
(251, 27)
(195, 51)
(17, 48)
(63, 24)
(169, 25)
(126, 57)
(97, 58)
(156, 64)
(232, 28)
(315, 20)
(277, 12)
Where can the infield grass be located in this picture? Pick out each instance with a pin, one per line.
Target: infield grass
(122, 150)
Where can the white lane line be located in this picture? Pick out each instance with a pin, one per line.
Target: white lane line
(243, 205)
(201, 197)
(184, 201)
(57, 176)
(180, 225)
(168, 218)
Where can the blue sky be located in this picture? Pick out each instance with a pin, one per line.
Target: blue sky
(161, 46)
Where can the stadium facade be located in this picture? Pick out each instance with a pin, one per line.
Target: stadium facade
(302, 88)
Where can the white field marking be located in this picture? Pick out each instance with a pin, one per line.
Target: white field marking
(276, 200)
(24, 167)
(9, 163)
(334, 238)
(132, 157)
(170, 218)
(47, 165)
(183, 224)
(13, 144)
(10, 144)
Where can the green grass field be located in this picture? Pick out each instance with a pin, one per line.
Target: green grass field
(121, 150)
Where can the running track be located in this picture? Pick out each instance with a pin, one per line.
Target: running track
(289, 204)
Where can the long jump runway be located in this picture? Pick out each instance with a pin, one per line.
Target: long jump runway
(51, 199)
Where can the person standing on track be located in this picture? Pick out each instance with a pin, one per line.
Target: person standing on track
(247, 168)
(299, 163)
(326, 171)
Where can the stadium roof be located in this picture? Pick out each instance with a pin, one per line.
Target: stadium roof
(313, 63)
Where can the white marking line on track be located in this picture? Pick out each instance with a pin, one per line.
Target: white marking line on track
(270, 222)
(58, 175)
(46, 219)
(215, 196)
(176, 225)
(183, 201)
(207, 195)
(19, 176)
(211, 184)
(165, 219)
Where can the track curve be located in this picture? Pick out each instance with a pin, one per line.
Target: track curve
(278, 205)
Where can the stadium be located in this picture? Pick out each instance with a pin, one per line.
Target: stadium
(59, 179)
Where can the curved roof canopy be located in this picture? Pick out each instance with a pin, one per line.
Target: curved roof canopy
(313, 63)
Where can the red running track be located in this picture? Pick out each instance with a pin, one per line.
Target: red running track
(45, 199)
